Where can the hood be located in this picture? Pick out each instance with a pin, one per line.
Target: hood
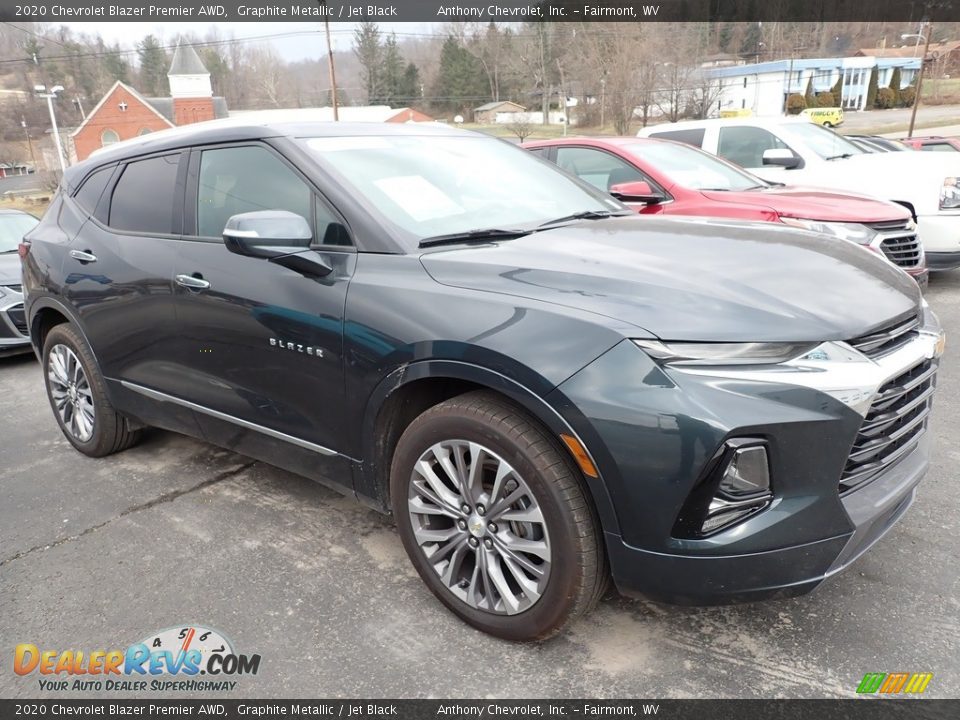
(10, 269)
(815, 204)
(912, 176)
(693, 279)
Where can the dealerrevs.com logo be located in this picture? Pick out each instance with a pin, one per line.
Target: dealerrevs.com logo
(170, 660)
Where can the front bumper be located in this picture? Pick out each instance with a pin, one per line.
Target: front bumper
(654, 440)
(784, 572)
(940, 234)
(937, 261)
(14, 337)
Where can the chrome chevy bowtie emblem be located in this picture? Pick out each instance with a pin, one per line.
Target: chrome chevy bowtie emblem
(296, 347)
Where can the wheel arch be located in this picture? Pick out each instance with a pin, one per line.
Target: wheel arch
(412, 389)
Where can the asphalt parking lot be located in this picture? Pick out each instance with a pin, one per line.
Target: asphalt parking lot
(97, 554)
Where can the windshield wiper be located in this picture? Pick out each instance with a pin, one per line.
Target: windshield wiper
(841, 156)
(7, 252)
(478, 235)
(586, 215)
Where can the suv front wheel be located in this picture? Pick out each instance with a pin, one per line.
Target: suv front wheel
(495, 518)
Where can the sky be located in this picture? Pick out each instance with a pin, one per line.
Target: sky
(310, 45)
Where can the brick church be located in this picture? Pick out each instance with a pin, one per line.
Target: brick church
(124, 113)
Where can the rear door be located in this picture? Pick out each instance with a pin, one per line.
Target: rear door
(259, 346)
(118, 269)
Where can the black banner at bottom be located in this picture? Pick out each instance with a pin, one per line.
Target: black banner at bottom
(854, 709)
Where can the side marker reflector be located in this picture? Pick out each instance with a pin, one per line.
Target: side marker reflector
(580, 455)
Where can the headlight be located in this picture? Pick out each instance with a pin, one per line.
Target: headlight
(718, 354)
(950, 194)
(854, 232)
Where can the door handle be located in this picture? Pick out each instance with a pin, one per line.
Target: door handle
(83, 256)
(192, 281)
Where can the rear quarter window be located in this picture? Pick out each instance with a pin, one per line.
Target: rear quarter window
(690, 137)
(144, 196)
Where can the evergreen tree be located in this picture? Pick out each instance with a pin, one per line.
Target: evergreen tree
(872, 88)
(153, 67)
(391, 71)
(408, 91)
(753, 36)
(367, 48)
(809, 96)
(461, 83)
(895, 81)
(115, 65)
(837, 90)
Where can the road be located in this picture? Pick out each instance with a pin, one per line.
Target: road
(98, 554)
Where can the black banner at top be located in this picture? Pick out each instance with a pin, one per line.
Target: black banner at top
(480, 11)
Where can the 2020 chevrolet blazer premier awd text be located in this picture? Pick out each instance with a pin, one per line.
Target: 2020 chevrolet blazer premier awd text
(545, 389)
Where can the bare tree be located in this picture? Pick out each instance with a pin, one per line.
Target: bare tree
(521, 126)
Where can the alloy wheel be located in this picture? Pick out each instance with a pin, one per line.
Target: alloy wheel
(71, 393)
(480, 527)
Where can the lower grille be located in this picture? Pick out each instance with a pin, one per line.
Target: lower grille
(18, 318)
(893, 426)
(899, 243)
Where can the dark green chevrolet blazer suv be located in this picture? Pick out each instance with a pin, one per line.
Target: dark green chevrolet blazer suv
(544, 389)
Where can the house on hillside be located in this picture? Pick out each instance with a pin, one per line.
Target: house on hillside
(124, 113)
(944, 56)
(487, 114)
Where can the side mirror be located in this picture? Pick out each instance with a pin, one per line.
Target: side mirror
(781, 157)
(267, 234)
(636, 191)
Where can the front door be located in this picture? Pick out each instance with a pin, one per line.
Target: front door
(260, 346)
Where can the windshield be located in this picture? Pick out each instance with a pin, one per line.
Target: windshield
(12, 229)
(433, 185)
(825, 143)
(694, 168)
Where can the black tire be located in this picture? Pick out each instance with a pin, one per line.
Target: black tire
(111, 431)
(578, 573)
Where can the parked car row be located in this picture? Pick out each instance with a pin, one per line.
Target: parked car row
(545, 388)
(795, 151)
(665, 177)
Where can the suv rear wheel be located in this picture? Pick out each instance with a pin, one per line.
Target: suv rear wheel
(78, 396)
(495, 518)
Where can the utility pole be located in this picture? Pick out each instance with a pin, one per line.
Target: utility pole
(41, 91)
(26, 131)
(330, 65)
(923, 64)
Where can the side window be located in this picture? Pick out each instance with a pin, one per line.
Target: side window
(599, 168)
(246, 179)
(539, 152)
(690, 137)
(144, 197)
(89, 193)
(744, 145)
(938, 147)
(330, 231)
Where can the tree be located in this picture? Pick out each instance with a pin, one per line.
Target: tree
(409, 88)
(895, 82)
(460, 83)
(886, 98)
(796, 104)
(826, 99)
(872, 88)
(809, 96)
(153, 66)
(521, 126)
(907, 96)
(391, 71)
(367, 48)
(837, 90)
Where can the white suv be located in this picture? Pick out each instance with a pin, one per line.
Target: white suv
(796, 151)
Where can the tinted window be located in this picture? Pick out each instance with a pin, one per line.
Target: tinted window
(938, 147)
(89, 193)
(690, 137)
(246, 179)
(744, 145)
(599, 168)
(143, 199)
(539, 152)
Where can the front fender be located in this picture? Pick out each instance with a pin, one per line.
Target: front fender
(477, 375)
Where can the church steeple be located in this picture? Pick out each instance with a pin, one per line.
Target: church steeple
(187, 75)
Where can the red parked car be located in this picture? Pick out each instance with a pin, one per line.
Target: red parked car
(661, 176)
(933, 143)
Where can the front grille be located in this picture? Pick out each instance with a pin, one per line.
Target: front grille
(899, 243)
(888, 338)
(893, 425)
(18, 318)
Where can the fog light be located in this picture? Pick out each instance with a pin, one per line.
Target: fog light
(743, 489)
(747, 473)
